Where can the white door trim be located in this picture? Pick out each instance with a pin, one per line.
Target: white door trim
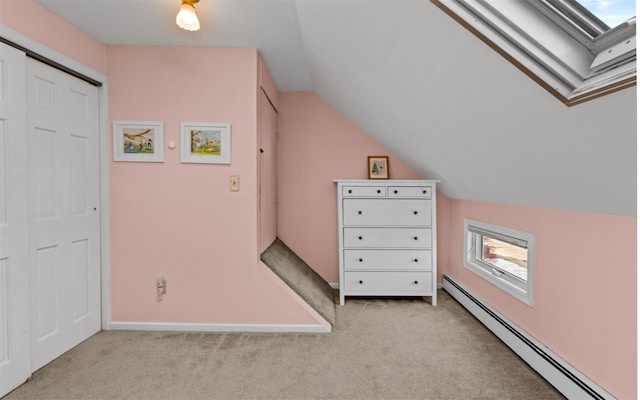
(33, 45)
(105, 242)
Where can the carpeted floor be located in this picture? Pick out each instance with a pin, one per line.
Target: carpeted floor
(379, 349)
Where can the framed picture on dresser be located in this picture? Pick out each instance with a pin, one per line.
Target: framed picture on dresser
(378, 167)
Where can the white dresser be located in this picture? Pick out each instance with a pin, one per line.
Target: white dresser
(387, 238)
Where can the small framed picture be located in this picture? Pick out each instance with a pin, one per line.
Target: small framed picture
(378, 167)
(203, 142)
(140, 141)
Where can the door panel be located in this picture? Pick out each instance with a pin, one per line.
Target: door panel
(45, 165)
(15, 354)
(46, 274)
(64, 192)
(79, 155)
(81, 267)
(4, 314)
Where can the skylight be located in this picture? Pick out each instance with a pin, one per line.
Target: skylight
(576, 49)
(611, 12)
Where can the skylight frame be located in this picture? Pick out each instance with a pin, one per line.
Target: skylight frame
(578, 16)
(544, 51)
(582, 25)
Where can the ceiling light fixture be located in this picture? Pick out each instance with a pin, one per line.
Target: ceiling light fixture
(187, 18)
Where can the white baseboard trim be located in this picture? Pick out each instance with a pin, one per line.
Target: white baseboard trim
(566, 379)
(226, 328)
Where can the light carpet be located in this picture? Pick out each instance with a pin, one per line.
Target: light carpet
(395, 348)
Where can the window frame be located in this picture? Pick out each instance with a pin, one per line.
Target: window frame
(535, 43)
(472, 257)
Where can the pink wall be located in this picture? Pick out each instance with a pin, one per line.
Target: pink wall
(317, 144)
(38, 23)
(181, 221)
(585, 286)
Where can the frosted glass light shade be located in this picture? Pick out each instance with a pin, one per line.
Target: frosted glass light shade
(187, 18)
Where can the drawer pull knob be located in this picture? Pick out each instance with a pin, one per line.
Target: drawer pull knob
(424, 192)
(359, 212)
(378, 190)
(359, 237)
(360, 282)
(415, 282)
(360, 259)
(415, 238)
(395, 192)
(415, 260)
(415, 213)
(350, 191)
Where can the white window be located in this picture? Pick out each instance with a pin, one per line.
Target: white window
(502, 256)
(576, 49)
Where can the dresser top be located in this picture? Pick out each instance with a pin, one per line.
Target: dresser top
(386, 181)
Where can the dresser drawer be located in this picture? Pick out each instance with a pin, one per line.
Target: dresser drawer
(387, 237)
(364, 191)
(390, 212)
(410, 191)
(388, 282)
(355, 260)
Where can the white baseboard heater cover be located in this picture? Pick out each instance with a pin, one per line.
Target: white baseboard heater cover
(566, 379)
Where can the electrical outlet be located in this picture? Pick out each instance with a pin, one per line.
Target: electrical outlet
(234, 183)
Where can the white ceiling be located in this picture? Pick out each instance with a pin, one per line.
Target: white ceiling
(419, 84)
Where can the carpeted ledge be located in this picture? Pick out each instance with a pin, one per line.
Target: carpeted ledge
(301, 278)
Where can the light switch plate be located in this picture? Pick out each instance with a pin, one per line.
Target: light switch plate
(234, 183)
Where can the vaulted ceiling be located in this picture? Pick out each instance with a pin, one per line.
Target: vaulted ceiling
(418, 83)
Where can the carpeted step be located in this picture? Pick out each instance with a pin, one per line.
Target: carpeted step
(301, 278)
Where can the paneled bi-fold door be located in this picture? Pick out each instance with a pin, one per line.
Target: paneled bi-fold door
(15, 343)
(64, 222)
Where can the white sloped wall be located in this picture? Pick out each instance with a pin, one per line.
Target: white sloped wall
(452, 108)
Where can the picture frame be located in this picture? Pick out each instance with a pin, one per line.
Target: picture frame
(205, 142)
(138, 141)
(378, 167)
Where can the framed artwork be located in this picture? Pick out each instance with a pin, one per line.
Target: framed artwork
(141, 141)
(202, 142)
(378, 167)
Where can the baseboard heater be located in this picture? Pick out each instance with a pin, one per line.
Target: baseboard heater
(566, 379)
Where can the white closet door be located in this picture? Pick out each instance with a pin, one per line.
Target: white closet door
(62, 115)
(15, 355)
